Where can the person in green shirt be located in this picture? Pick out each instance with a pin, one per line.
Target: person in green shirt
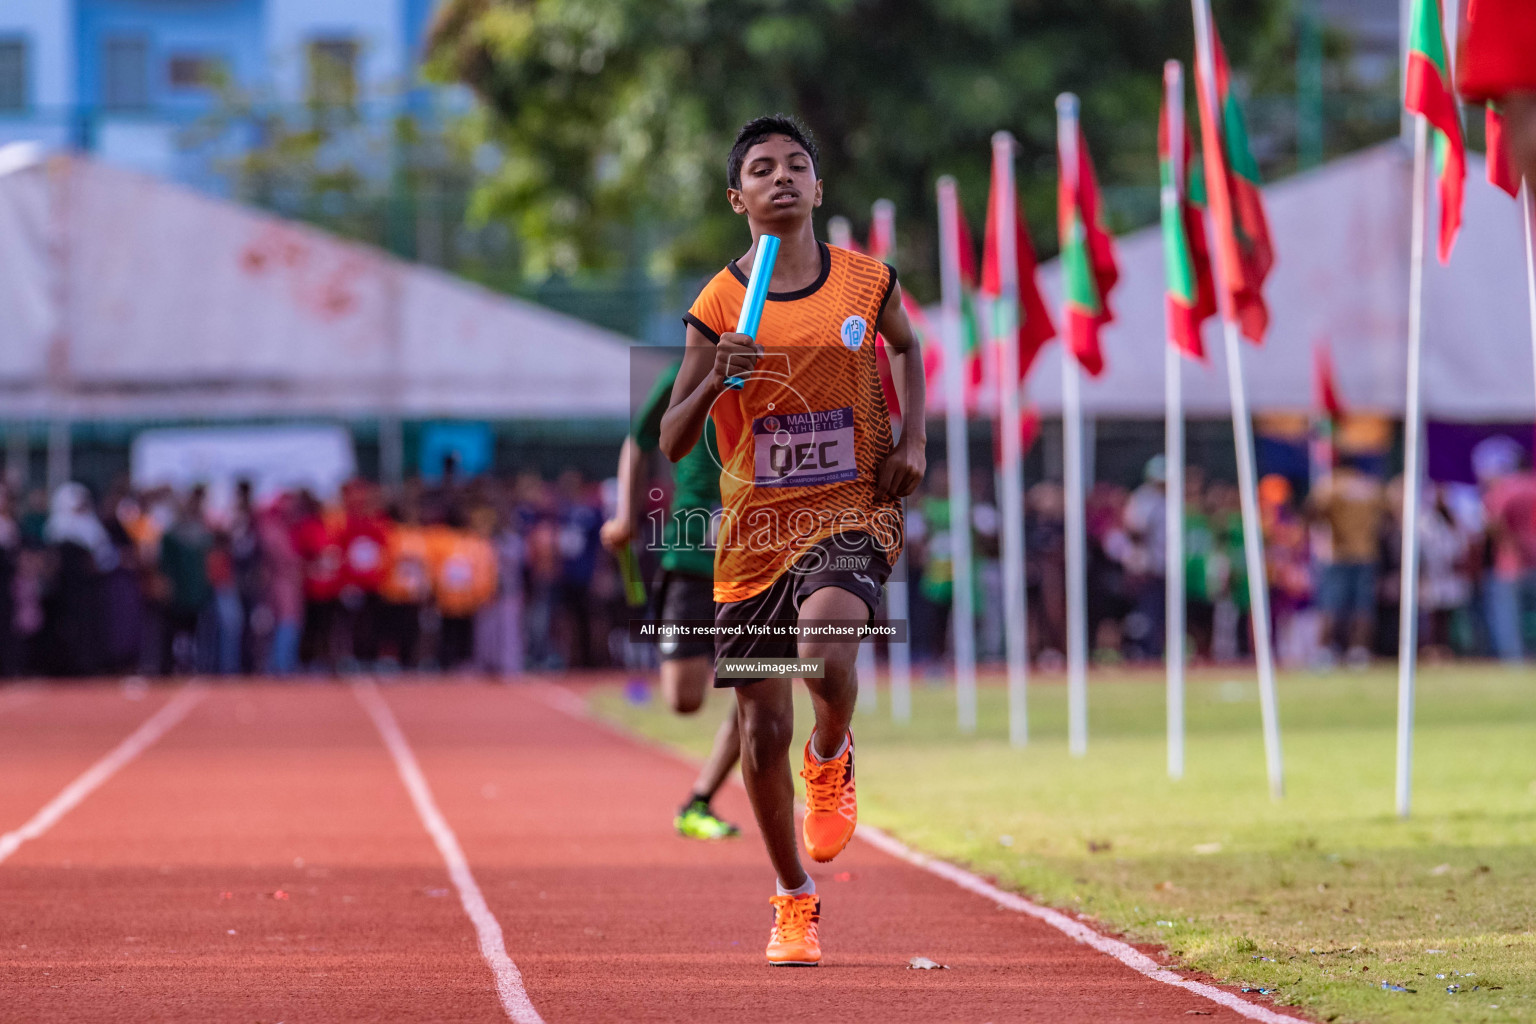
(685, 591)
(1199, 556)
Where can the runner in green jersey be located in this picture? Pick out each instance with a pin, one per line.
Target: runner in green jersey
(686, 588)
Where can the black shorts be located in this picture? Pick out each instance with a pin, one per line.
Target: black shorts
(685, 596)
(854, 562)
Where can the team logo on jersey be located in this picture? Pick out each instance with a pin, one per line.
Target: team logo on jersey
(853, 331)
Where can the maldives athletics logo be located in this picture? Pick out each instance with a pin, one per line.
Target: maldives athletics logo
(853, 331)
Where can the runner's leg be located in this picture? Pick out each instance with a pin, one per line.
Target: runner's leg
(833, 696)
(767, 715)
(684, 682)
(722, 758)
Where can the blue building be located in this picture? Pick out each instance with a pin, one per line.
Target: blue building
(131, 81)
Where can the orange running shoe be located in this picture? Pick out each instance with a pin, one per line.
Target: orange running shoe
(831, 808)
(794, 941)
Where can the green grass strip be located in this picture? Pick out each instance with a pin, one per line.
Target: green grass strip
(1322, 898)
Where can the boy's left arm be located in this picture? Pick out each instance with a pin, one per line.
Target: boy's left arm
(902, 470)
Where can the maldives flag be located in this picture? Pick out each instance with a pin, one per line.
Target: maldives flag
(1088, 268)
(933, 352)
(882, 246)
(1501, 171)
(1232, 186)
(933, 355)
(1034, 318)
(1496, 43)
(971, 369)
(1191, 296)
(970, 320)
(1429, 95)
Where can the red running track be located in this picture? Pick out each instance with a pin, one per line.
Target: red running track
(263, 862)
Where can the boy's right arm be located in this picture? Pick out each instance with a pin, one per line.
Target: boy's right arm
(700, 381)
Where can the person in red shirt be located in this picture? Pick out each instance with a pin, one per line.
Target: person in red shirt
(1509, 509)
(318, 542)
(364, 539)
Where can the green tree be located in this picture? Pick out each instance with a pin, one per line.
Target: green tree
(613, 117)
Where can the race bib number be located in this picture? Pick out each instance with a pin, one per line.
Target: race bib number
(804, 449)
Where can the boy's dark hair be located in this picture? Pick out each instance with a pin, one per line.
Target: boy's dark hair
(760, 128)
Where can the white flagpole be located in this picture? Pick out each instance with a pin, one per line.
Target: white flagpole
(1173, 371)
(1528, 208)
(1242, 430)
(963, 624)
(865, 669)
(1413, 459)
(1408, 622)
(1072, 477)
(1016, 639)
(899, 655)
(1076, 554)
(840, 232)
(882, 225)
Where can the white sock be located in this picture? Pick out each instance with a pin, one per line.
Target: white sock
(847, 739)
(804, 889)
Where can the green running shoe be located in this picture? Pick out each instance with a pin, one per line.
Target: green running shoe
(697, 821)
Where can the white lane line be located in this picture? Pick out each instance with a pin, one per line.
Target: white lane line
(1127, 954)
(563, 700)
(509, 981)
(141, 739)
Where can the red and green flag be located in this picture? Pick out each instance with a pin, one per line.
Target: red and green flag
(1430, 96)
(974, 372)
(933, 352)
(1501, 170)
(1088, 269)
(1034, 326)
(971, 368)
(882, 246)
(1243, 245)
(1191, 294)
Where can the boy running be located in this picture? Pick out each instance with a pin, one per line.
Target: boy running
(811, 483)
(687, 582)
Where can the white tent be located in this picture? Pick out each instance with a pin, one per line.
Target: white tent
(1341, 276)
(123, 297)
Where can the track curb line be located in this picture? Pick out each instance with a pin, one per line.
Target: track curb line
(561, 699)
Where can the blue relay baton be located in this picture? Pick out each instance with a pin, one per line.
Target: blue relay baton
(757, 294)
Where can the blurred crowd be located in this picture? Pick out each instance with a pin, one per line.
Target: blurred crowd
(508, 575)
(1332, 560)
(495, 576)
